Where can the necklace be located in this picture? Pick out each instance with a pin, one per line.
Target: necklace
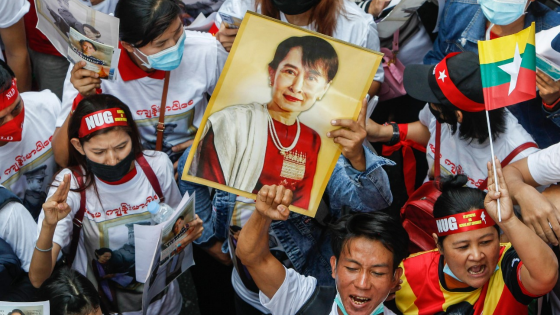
(275, 138)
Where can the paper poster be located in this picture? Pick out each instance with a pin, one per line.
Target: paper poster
(24, 308)
(268, 117)
(96, 55)
(398, 17)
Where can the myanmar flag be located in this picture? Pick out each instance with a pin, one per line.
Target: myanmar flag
(507, 66)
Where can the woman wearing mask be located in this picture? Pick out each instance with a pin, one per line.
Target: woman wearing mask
(153, 42)
(106, 189)
(341, 19)
(471, 270)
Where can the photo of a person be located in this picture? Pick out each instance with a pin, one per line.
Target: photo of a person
(91, 33)
(248, 146)
(88, 48)
(104, 271)
(35, 194)
(16, 312)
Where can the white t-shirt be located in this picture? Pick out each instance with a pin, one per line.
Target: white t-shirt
(461, 157)
(544, 165)
(11, 11)
(27, 166)
(109, 223)
(293, 293)
(189, 84)
(355, 26)
(19, 230)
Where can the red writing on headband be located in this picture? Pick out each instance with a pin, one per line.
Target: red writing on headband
(9, 96)
(102, 119)
(464, 222)
(451, 91)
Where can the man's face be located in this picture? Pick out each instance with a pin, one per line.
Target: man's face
(35, 184)
(364, 275)
(87, 48)
(179, 224)
(296, 88)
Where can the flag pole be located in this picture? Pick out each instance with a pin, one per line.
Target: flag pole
(493, 163)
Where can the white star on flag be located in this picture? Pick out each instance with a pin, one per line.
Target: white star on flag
(442, 76)
(512, 69)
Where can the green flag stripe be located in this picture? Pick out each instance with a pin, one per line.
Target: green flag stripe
(493, 76)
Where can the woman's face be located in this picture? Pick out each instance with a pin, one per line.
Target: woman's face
(167, 39)
(109, 148)
(296, 88)
(103, 259)
(90, 34)
(179, 224)
(87, 49)
(472, 256)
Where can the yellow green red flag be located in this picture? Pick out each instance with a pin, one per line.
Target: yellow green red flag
(507, 66)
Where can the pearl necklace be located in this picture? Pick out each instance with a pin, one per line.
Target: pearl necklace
(275, 138)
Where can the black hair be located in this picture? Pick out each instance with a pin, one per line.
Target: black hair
(6, 76)
(474, 124)
(18, 311)
(375, 226)
(70, 293)
(103, 250)
(317, 53)
(88, 105)
(93, 29)
(456, 198)
(82, 41)
(142, 21)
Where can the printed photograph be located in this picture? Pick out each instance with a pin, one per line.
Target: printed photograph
(96, 55)
(267, 120)
(24, 308)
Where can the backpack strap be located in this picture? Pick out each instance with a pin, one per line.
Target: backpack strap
(437, 166)
(510, 157)
(320, 302)
(77, 221)
(149, 172)
(7, 196)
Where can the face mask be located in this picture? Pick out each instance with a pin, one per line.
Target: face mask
(450, 273)
(502, 12)
(111, 173)
(11, 131)
(166, 60)
(294, 7)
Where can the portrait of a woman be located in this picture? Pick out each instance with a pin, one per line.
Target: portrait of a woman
(248, 146)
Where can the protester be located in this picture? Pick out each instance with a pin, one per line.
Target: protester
(12, 40)
(27, 122)
(367, 249)
(453, 90)
(358, 182)
(341, 19)
(109, 182)
(464, 23)
(70, 293)
(152, 42)
(471, 270)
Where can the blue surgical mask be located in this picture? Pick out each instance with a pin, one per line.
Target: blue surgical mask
(166, 60)
(450, 273)
(502, 12)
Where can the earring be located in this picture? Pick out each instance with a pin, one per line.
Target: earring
(269, 82)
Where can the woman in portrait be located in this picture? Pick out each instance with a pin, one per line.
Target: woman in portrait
(103, 271)
(249, 146)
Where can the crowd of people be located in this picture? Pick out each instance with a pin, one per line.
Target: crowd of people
(80, 161)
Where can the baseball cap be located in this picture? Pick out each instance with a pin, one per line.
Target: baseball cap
(455, 80)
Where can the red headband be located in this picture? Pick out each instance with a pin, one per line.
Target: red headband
(102, 119)
(9, 96)
(451, 91)
(464, 222)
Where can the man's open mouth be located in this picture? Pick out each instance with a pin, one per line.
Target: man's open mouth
(359, 300)
(477, 270)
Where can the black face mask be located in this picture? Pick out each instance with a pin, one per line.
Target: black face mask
(294, 7)
(436, 114)
(111, 173)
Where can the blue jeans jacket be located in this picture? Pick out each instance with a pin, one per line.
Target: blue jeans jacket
(304, 239)
(463, 24)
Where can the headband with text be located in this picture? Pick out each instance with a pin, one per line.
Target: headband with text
(9, 96)
(102, 119)
(451, 91)
(464, 222)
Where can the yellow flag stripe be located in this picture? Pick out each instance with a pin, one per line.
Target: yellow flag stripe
(503, 48)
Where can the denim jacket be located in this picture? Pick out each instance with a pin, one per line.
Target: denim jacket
(304, 239)
(463, 24)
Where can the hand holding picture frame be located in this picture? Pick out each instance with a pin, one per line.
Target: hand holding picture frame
(267, 120)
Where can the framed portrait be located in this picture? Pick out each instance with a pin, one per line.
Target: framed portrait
(267, 120)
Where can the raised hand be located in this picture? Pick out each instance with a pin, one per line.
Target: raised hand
(56, 208)
(549, 90)
(273, 202)
(85, 81)
(226, 36)
(491, 200)
(351, 136)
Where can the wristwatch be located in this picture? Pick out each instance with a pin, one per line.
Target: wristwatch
(396, 134)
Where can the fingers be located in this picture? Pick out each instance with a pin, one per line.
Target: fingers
(273, 202)
(363, 113)
(182, 146)
(226, 36)
(61, 193)
(546, 226)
